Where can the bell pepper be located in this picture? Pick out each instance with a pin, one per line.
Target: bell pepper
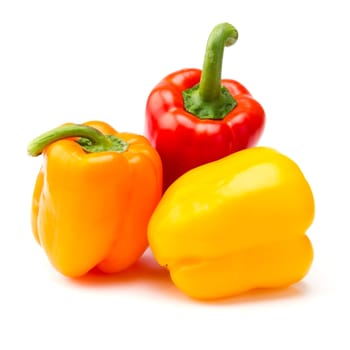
(194, 117)
(93, 197)
(235, 224)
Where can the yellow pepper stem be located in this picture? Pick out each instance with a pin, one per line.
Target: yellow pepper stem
(90, 139)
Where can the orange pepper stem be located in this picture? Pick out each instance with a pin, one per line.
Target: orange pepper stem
(90, 139)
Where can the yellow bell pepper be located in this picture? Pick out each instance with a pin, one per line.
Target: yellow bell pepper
(234, 225)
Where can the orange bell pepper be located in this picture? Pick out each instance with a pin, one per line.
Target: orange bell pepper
(93, 197)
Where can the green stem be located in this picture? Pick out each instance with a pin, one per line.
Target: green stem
(209, 99)
(210, 84)
(91, 139)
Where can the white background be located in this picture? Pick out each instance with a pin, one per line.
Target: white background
(74, 61)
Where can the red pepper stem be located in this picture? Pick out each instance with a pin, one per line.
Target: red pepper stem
(210, 99)
(91, 139)
(222, 35)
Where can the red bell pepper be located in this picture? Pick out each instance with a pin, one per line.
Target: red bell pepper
(194, 117)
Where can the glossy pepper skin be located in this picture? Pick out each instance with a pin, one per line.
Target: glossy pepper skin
(91, 206)
(235, 224)
(194, 117)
